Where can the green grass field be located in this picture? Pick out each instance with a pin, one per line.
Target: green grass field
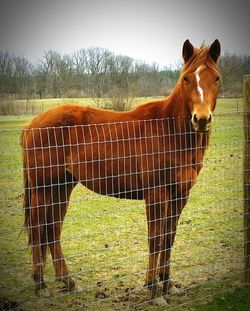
(29, 107)
(105, 239)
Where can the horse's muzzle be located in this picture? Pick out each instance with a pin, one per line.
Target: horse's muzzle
(201, 124)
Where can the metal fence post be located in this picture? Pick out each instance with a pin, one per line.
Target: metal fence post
(246, 174)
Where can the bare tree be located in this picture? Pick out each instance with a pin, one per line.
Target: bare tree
(54, 73)
(6, 72)
(80, 70)
(98, 63)
(15, 74)
(99, 73)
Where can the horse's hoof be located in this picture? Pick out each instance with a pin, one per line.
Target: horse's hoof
(173, 290)
(69, 287)
(159, 302)
(153, 288)
(170, 289)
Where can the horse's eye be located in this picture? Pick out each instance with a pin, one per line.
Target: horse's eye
(217, 79)
(186, 79)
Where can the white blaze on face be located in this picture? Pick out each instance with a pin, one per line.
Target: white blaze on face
(200, 90)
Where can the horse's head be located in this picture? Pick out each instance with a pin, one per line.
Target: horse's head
(200, 79)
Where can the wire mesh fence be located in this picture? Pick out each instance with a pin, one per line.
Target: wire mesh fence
(111, 169)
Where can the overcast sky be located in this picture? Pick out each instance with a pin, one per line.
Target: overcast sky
(150, 30)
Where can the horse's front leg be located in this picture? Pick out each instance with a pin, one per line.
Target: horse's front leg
(173, 215)
(156, 209)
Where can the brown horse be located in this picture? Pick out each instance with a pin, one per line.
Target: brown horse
(153, 153)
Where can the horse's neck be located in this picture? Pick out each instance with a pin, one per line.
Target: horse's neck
(177, 105)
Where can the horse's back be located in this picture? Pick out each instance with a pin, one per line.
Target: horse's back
(63, 115)
(55, 138)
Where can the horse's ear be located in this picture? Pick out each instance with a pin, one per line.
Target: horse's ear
(187, 51)
(215, 50)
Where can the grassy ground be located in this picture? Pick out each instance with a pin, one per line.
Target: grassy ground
(105, 239)
(236, 300)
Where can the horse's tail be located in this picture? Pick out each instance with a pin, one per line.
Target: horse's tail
(28, 209)
(26, 184)
(26, 205)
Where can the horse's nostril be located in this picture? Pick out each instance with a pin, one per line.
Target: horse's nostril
(209, 119)
(195, 119)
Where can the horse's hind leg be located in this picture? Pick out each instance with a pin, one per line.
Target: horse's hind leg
(36, 231)
(56, 214)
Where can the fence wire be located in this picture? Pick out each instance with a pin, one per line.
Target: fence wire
(112, 167)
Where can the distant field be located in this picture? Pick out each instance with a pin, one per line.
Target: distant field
(36, 106)
(105, 239)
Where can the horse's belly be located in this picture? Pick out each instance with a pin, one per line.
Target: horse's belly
(114, 187)
(115, 176)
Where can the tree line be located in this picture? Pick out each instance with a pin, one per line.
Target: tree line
(99, 73)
